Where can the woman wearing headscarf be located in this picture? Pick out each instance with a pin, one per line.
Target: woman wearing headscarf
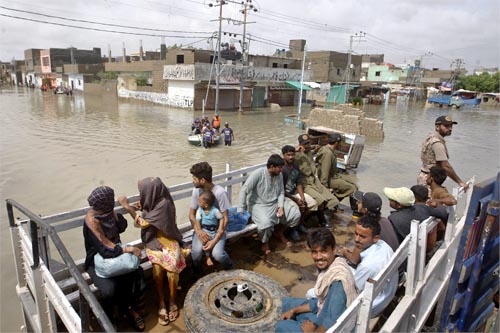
(101, 231)
(162, 239)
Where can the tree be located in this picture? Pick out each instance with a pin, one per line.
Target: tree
(480, 83)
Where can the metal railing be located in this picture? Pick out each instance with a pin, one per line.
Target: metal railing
(425, 284)
(40, 295)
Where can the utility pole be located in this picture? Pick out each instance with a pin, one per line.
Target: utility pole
(217, 65)
(454, 76)
(302, 82)
(244, 48)
(359, 35)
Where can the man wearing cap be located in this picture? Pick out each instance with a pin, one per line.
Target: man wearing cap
(328, 174)
(434, 152)
(228, 134)
(310, 181)
(370, 203)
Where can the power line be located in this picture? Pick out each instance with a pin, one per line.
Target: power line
(100, 23)
(95, 29)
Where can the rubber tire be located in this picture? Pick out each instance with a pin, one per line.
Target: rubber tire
(198, 316)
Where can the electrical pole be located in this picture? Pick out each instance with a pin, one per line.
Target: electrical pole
(302, 82)
(244, 47)
(217, 67)
(348, 73)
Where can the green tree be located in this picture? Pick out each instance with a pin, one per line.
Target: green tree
(480, 83)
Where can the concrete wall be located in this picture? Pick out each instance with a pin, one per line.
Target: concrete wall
(107, 88)
(386, 73)
(83, 68)
(129, 67)
(232, 73)
(75, 81)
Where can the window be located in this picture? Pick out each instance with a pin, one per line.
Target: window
(353, 73)
(338, 71)
(211, 59)
(79, 83)
(275, 65)
(285, 65)
(377, 73)
(45, 61)
(180, 58)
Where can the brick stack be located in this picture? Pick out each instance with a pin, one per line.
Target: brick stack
(346, 119)
(372, 127)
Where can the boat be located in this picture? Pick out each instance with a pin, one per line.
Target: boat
(60, 296)
(197, 139)
(348, 151)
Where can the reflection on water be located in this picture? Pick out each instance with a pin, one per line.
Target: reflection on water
(55, 149)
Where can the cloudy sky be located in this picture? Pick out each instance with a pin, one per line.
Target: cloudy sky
(436, 31)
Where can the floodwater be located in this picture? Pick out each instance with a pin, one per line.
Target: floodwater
(54, 149)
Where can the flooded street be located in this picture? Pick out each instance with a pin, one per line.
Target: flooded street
(54, 149)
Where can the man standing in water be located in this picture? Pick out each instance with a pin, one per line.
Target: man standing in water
(434, 152)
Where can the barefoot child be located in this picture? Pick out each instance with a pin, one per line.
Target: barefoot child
(209, 217)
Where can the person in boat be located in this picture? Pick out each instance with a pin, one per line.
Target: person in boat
(375, 254)
(434, 152)
(335, 289)
(101, 231)
(204, 238)
(228, 134)
(196, 126)
(294, 190)
(216, 122)
(162, 240)
(329, 176)
(310, 181)
(208, 136)
(264, 195)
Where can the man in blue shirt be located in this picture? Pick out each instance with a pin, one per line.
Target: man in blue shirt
(228, 134)
(375, 254)
(335, 290)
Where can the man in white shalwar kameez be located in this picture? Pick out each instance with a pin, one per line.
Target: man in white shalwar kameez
(264, 195)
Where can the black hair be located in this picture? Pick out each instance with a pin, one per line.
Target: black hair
(288, 149)
(368, 221)
(275, 160)
(321, 237)
(202, 170)
(208, 197)
(421, 193)
(438, 174)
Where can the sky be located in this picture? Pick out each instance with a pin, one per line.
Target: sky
(437, 32)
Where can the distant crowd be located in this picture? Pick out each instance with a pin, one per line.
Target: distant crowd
(298, 191)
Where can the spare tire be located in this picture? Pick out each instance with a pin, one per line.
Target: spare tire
(233, 301)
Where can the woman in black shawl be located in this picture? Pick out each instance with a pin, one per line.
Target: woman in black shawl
(162, 239)
(101, 231)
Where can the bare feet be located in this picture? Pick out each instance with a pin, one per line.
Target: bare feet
(209, 261)
(265, 248)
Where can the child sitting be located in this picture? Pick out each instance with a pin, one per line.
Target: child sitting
(209, 217)
(439, 193)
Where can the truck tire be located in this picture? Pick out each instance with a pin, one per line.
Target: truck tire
(204, 310)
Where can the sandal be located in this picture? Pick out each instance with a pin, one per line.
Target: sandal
(173, 314)
(163, 317)
(136, 321)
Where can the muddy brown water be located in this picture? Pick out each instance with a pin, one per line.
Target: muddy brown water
(54, 149)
